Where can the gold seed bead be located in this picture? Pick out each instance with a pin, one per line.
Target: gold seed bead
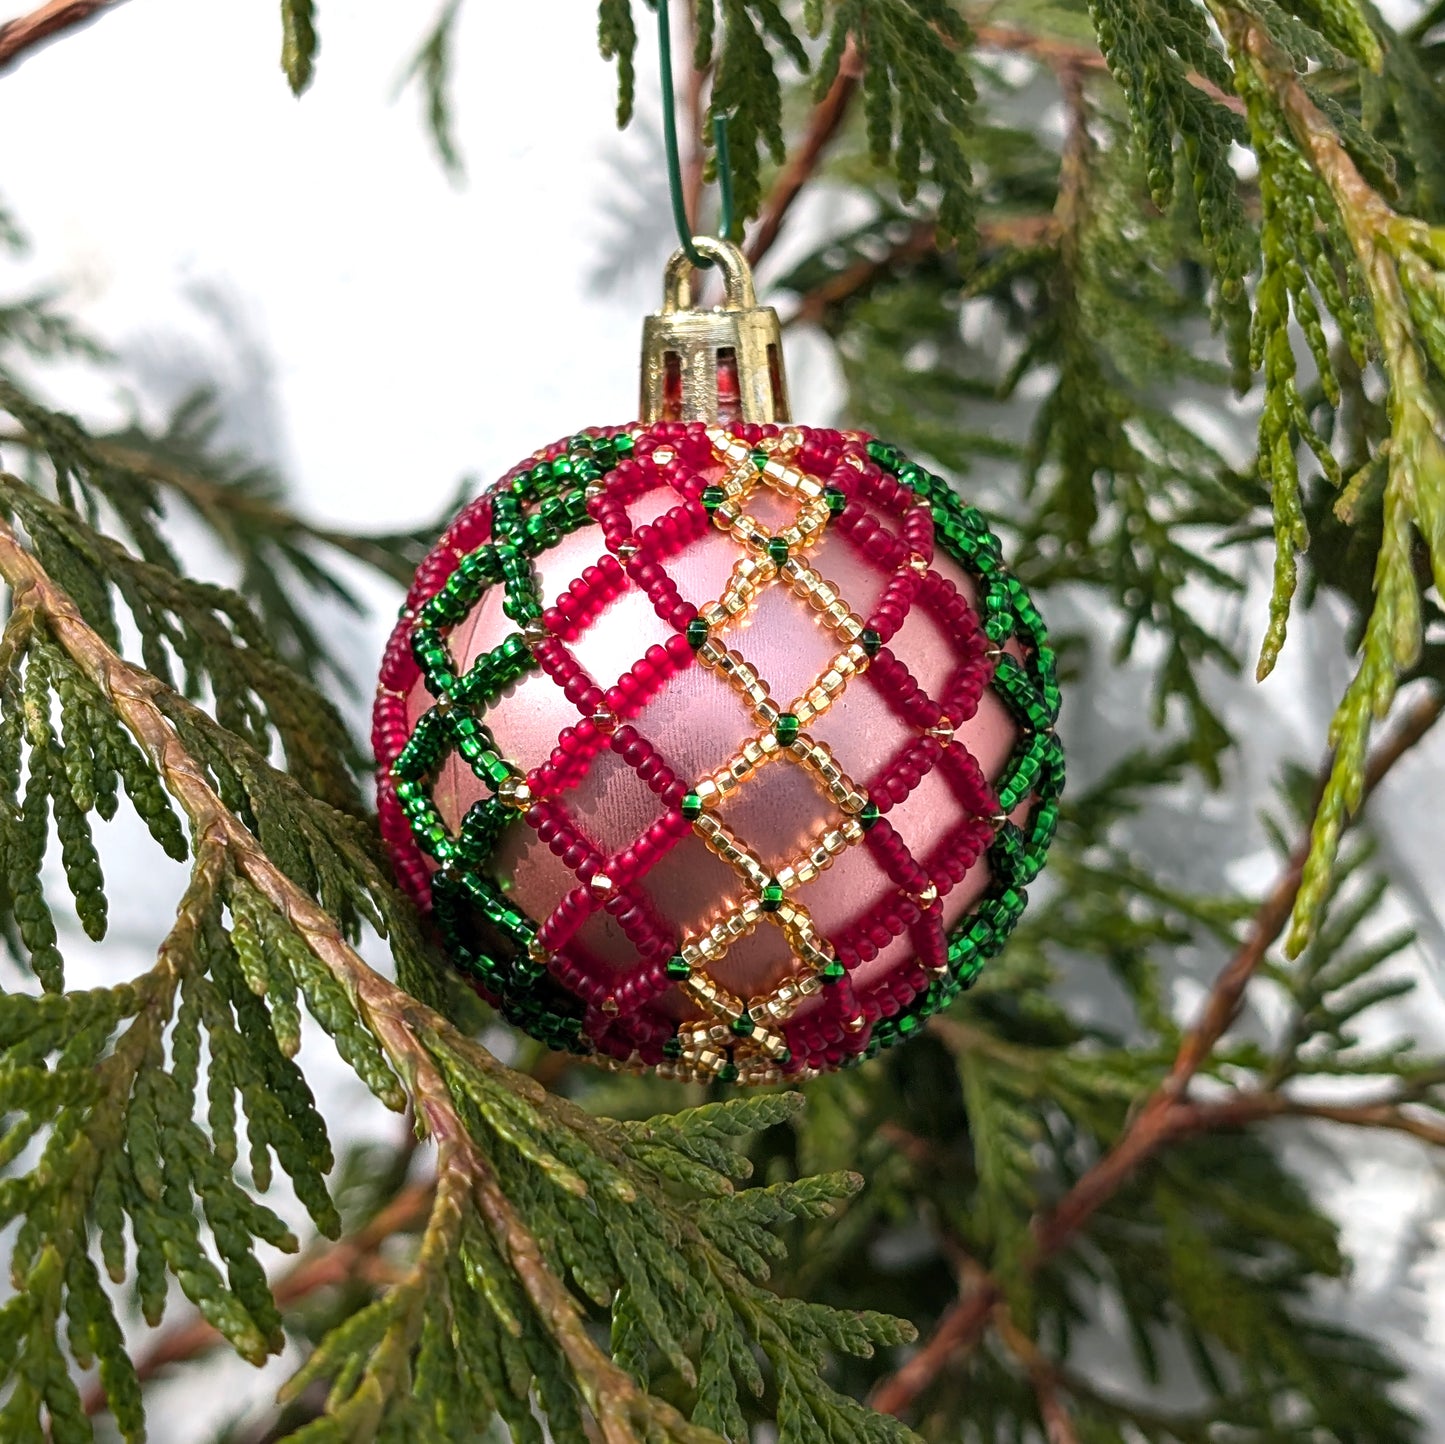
(664, 455)
(609, 1006)
(917, 563)
(594, 490)
(514, 792)
(600, 884)
(810, 985)
(927, 897)
(942, 732)
(758, 1073)
(855, 1024)
(535, 631)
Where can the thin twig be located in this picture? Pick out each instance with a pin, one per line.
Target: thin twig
(1241, 1109)
(1166, 1115)
(1062, 56)
(920, 242)
(27, 32)
(1053, 1412)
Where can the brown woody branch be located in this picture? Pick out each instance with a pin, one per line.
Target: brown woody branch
(1168, 1114)
(920, 242)
(696, 109)
(27, 32)
(1045, 1379)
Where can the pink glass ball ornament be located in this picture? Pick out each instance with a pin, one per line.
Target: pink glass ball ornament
(718, 747)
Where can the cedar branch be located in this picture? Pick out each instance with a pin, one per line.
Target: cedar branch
(1167, 1115)
(827, 120)
(27, 32)
(326, 1267)
(405, 1027)
(224, 505)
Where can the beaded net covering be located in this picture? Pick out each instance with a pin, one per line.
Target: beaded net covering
(606, 874)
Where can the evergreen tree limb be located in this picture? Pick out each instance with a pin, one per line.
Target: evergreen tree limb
(1061, 55)
(921, 242)
(46, 22)
(223, 507)
(1166, 1115)
(1391, 1114)
(397, 1020)
(827, 119)
(1402, 263)
(672, 1275)
(326, 1266)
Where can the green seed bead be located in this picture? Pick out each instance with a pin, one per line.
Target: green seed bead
(771, 896)
(870, 641)
(691, 806)
(713, 497)
(761, 459)
(777, 551)
(678, 968)
(728, 1073)
(833, 972)
(869, 815)
(672, 1048)
(696, 633)
(786, 728)
(835, 499)
(744, 1026)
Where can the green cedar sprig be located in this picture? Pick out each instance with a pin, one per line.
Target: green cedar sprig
(917, 95)
(134, 475)
(298, 42)
(532, 1191)
(431, 68)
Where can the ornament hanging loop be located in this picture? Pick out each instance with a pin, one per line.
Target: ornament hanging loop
(737, 275)
(718, 365)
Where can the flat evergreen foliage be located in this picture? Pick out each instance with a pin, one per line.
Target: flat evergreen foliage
(1096, 236)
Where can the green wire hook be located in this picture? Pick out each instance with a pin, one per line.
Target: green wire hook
(674, 161)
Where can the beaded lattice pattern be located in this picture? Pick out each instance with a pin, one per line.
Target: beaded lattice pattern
(538, 970)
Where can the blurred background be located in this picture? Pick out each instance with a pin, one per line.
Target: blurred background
(378, 333)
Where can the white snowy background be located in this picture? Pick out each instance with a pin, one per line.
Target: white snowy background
(378, 333)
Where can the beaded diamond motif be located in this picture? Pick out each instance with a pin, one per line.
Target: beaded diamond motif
(537, 970)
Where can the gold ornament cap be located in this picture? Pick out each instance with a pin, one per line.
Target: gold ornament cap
(719, 365)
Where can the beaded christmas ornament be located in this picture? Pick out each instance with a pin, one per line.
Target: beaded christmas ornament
(632, 843)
